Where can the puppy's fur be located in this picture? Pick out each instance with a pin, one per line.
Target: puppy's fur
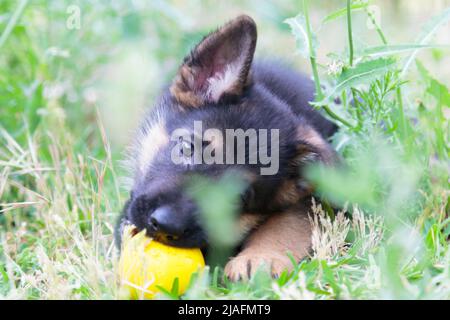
(219, 84)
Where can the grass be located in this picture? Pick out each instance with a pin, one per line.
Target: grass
(65, 114)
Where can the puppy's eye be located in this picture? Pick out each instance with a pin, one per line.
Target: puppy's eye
(186, 149)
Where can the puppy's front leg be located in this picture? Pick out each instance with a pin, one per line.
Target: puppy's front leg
(285, 232)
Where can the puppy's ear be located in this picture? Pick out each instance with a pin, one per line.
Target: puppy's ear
(219, 66)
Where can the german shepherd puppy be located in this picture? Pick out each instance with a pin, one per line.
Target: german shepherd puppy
(220, 86)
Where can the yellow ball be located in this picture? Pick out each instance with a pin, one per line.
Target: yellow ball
(146, 264)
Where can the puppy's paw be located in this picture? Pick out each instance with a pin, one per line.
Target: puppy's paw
(246, 264)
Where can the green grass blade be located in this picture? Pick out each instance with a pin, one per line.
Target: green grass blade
(349, 31)
(13, 21)
(175, 287)
(429, 30)
(215, 277)
(342, 12)
(388, 50)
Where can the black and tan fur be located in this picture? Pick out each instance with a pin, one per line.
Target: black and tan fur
(220, 84)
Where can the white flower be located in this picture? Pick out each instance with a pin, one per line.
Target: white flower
(335, 67)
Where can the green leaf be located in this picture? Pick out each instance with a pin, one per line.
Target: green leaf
(175, 287)
(439, 91)
(361, 73)
(165, 292)
(215, 278)
(435, 88)
(283, 278)
(328, 276)
(387, 50)
(359, 185)
(4, 274)
(173, 293)
(298, 29)
(435, 240)
(342, 12)
(427, 33)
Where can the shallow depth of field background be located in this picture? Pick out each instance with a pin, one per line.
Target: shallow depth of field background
(71, 95)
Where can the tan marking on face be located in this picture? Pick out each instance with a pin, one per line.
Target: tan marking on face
(269, 244)
(152, 143)
(312, 137)
(288, 194)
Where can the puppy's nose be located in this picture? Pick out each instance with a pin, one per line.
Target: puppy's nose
(166, 223)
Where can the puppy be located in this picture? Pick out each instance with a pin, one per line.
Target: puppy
(219, 89)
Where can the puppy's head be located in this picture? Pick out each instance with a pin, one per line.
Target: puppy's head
(213, 119)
